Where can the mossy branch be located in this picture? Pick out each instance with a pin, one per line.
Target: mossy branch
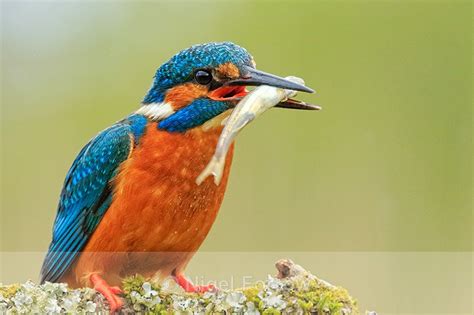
(292, 291)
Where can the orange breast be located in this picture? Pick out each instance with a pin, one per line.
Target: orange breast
(159, 216)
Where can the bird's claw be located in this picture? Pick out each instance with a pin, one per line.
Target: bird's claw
(110, 293)
(205, 288)
(188, 286)
(116, 290)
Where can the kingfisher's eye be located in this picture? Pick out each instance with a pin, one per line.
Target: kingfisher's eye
(203, 77)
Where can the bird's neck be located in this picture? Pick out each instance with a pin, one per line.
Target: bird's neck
(201, 113)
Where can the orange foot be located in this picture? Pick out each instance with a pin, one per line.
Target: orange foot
(188, 286)
(110, 293)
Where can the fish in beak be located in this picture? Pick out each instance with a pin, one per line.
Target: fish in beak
(235, 90)
(248, 109)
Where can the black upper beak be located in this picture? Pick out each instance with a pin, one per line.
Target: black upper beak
(256, 77)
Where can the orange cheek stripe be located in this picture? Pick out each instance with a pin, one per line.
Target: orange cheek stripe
(182, 95)
(228, 70)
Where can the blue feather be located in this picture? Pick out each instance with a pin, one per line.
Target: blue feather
(87, 193)
(180, 68)
(195, 114)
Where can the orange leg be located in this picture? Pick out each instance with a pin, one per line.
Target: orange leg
(188, 286)
(110, 293)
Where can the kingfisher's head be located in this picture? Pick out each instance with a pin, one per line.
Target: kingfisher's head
(203, 81)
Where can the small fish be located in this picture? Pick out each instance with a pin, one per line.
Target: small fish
(250, 107)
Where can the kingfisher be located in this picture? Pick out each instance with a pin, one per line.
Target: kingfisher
(130, 203)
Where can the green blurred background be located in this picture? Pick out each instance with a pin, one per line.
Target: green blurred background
(385, 167)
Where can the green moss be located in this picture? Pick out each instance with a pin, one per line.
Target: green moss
(325, 299)
(307, 294)
(306, 306)
(133, 283)
(302, 293)
(9, 291)
(251, 294)
(271, 311)
(138, 299)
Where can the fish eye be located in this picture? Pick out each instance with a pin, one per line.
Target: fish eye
(203, 77)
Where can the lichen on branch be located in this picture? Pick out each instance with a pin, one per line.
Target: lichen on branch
(292, 291)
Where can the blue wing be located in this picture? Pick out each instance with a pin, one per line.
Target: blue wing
(86, 196)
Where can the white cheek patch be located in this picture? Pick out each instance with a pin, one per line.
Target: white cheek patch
(156, 111)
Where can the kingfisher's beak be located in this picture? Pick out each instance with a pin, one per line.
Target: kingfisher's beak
(254, 77)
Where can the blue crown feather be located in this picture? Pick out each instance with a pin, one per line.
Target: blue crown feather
(180, 68)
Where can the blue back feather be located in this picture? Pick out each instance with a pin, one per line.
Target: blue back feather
(87, 193)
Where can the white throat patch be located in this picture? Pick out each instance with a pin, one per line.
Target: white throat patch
(156, 111)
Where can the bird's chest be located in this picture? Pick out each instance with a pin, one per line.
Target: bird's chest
(157, 198)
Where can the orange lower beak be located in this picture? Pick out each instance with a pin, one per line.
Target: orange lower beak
(228, 93)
